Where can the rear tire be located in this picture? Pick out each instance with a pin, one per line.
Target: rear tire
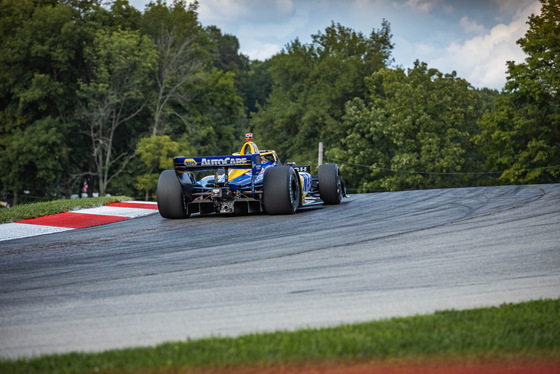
(330, 184)
(281, 190)
(170, 198)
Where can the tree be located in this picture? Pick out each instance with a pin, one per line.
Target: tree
(522, 135)
(157, 153)
(103, 75)
(224, 51)
(124, 16)
(177, 69)
(120, 62)
(35, 158)
(176, 33)
(225, 56)
(414, 131)
(312, 84)
(257, 86)
(40, 62)
(214, 114)
(489, 97)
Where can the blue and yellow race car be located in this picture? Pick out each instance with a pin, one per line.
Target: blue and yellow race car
(250, 181)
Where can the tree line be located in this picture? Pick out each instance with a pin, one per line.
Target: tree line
(100, 96)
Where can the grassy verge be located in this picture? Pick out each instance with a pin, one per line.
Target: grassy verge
(530, 329)
(35, 210)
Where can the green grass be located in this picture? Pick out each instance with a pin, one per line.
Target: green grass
(530, 329)
(26, 211)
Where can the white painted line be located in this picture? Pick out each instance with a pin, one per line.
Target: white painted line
(140, 202)
(9, 231)
(117, 211)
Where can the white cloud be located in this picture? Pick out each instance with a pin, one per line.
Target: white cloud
(422, 5)
(428, 5)
(262, 41)
(474, 38)
(261, 51)
(482, 59)
(512, 7)
(138, 4)
(263, 11)
(471, 27)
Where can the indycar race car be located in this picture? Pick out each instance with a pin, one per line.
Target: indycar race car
(250, 181)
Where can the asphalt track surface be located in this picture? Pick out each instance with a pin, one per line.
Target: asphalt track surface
(148, 280)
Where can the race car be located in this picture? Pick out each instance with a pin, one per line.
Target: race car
(250, 181)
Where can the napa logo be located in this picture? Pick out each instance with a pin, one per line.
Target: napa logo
(189, 162)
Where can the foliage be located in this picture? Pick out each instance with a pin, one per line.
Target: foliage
(157, 153)
(35, 156)
(40, 54)
(124, 16)
(489, 97)
(258, 86)
(249, 80)
(414, 132)
(113, 95)
(214, 115)
(522, 135)
(312, 84)
(530, 331)
(224, 52)
(176, 35)
(82, 82)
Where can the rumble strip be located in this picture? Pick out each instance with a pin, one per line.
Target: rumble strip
(76, 219)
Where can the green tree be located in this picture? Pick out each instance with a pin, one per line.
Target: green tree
(413, 132)
(121, 62)
(180, 61)
(89, 70)
(225, 56)
(213, 115)
(124, 16)
(41, 45)
(224, 51)
(312, 84)
(34, 158)
(522, 134)
(489, 97)
(157, 153)
(194, 95)
(257, 86)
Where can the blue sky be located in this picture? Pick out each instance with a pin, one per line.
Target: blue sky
(473, 37)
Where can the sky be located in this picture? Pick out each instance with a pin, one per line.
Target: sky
(475, 38)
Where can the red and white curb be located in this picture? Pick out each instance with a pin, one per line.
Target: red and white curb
(76, 219)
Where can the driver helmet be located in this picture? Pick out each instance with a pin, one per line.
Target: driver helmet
(249, 147)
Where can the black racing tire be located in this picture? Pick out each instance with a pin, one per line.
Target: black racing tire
(330, 184)
(281, 190)
(170, 198)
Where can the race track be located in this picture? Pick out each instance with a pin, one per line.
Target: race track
(148, 280)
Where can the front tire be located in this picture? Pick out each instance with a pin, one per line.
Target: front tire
(281, 190)
(170, 198)
(331, 189)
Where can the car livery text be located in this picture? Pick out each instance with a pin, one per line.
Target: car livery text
(215, 161)
(224, 161)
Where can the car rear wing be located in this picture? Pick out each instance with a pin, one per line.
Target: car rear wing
(250, 161)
